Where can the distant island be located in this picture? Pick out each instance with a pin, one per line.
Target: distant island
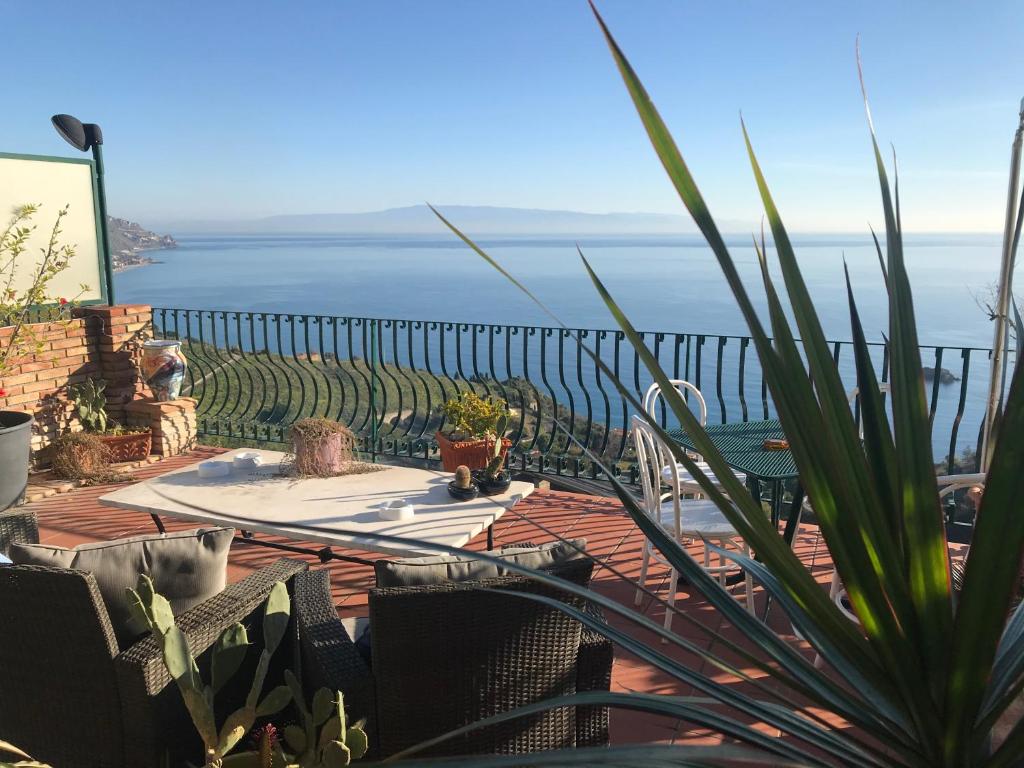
(129, 242)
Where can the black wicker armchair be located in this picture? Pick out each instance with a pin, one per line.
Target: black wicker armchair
(17, 526)
(453, 654)
(71, 698)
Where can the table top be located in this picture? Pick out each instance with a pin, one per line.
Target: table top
(741, 444)
(282, 505)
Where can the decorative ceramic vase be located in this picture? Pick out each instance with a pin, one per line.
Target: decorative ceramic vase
(163, 368)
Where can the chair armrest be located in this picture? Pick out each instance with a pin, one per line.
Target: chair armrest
(203, 624)
(593, 673)
(17, 526)
(153, 714)
(329, 657)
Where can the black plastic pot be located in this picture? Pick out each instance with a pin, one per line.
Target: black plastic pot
(463, 494)
(493, 486)
(15, 450)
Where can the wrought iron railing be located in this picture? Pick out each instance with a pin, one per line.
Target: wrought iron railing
(255, 373)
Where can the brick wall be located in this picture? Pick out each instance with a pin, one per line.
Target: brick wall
(98, 342)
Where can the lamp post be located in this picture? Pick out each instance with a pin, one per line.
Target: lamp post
(1003, 298)
(83, 137)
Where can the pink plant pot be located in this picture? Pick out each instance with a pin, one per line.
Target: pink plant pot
(327, 455)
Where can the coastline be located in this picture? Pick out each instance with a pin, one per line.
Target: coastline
(135, 265)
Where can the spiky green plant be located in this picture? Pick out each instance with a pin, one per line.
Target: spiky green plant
(497, 460)
(926, 679)
(90, 403)
(152, 609)
(324, 739)
(24, 760)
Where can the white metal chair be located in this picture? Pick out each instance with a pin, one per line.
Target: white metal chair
(682, 518)
(947, 484)
(687, 484)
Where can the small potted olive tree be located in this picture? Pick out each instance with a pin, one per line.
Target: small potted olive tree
(473, 436)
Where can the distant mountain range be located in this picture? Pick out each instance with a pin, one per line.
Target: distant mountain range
(473, 219)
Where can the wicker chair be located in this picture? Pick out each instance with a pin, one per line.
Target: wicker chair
(453, 654)
(17, 526)
(71, 698)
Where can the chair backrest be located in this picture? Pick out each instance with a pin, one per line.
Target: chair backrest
(654, 395)
(653, 459)
(852, 398)
(58, 692)
(452, 654)
(17, 526)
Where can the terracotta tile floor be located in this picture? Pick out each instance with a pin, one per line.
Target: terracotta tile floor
(74, 517)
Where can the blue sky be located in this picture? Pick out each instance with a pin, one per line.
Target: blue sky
(246, 109)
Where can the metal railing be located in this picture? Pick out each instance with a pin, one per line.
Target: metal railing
(255, 373)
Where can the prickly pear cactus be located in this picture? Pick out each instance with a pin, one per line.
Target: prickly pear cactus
(324, 740)
(91, 404)
(497, 461)
(228, 653)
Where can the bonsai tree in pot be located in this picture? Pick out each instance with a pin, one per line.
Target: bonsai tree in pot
(20, 339)
(123, 443)
(473, 438)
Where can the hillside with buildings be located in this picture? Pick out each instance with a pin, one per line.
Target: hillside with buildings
(129, 243)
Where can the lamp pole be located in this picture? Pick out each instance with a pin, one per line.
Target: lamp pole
(1003, 298)
(101, 194)
(83, 137)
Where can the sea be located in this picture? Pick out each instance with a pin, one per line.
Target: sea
(663, 284)
(668, 284)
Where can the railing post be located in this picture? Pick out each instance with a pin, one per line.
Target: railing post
(373, 390)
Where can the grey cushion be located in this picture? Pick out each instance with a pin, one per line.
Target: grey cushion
(421, 571)
(358, 630)
(186, 567)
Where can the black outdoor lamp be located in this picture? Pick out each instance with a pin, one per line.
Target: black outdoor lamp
(83, 137)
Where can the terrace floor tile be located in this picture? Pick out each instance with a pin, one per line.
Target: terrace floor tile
(75, 516)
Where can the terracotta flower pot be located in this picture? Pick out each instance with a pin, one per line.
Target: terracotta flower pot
(134, 446)
(473, 453)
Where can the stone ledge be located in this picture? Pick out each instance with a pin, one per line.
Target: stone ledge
(147, 405)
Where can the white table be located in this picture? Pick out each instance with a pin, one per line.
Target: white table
(262, 500)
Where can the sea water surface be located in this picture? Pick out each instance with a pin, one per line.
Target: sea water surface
(674, 285)
(663, 284)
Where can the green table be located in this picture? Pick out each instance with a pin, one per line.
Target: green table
(742, 446)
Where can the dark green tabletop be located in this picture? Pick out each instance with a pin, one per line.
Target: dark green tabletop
(741, 444)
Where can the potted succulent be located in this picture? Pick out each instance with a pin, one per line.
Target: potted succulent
(462, 487)
(322, 447)
(20, 338)
(473, 436)
(122, 443)
(495, 478)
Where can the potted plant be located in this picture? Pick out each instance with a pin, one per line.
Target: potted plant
(322, 447)
(122, 443)
(473, 431)
(463, 486)
(20, 338)
(495, 478)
